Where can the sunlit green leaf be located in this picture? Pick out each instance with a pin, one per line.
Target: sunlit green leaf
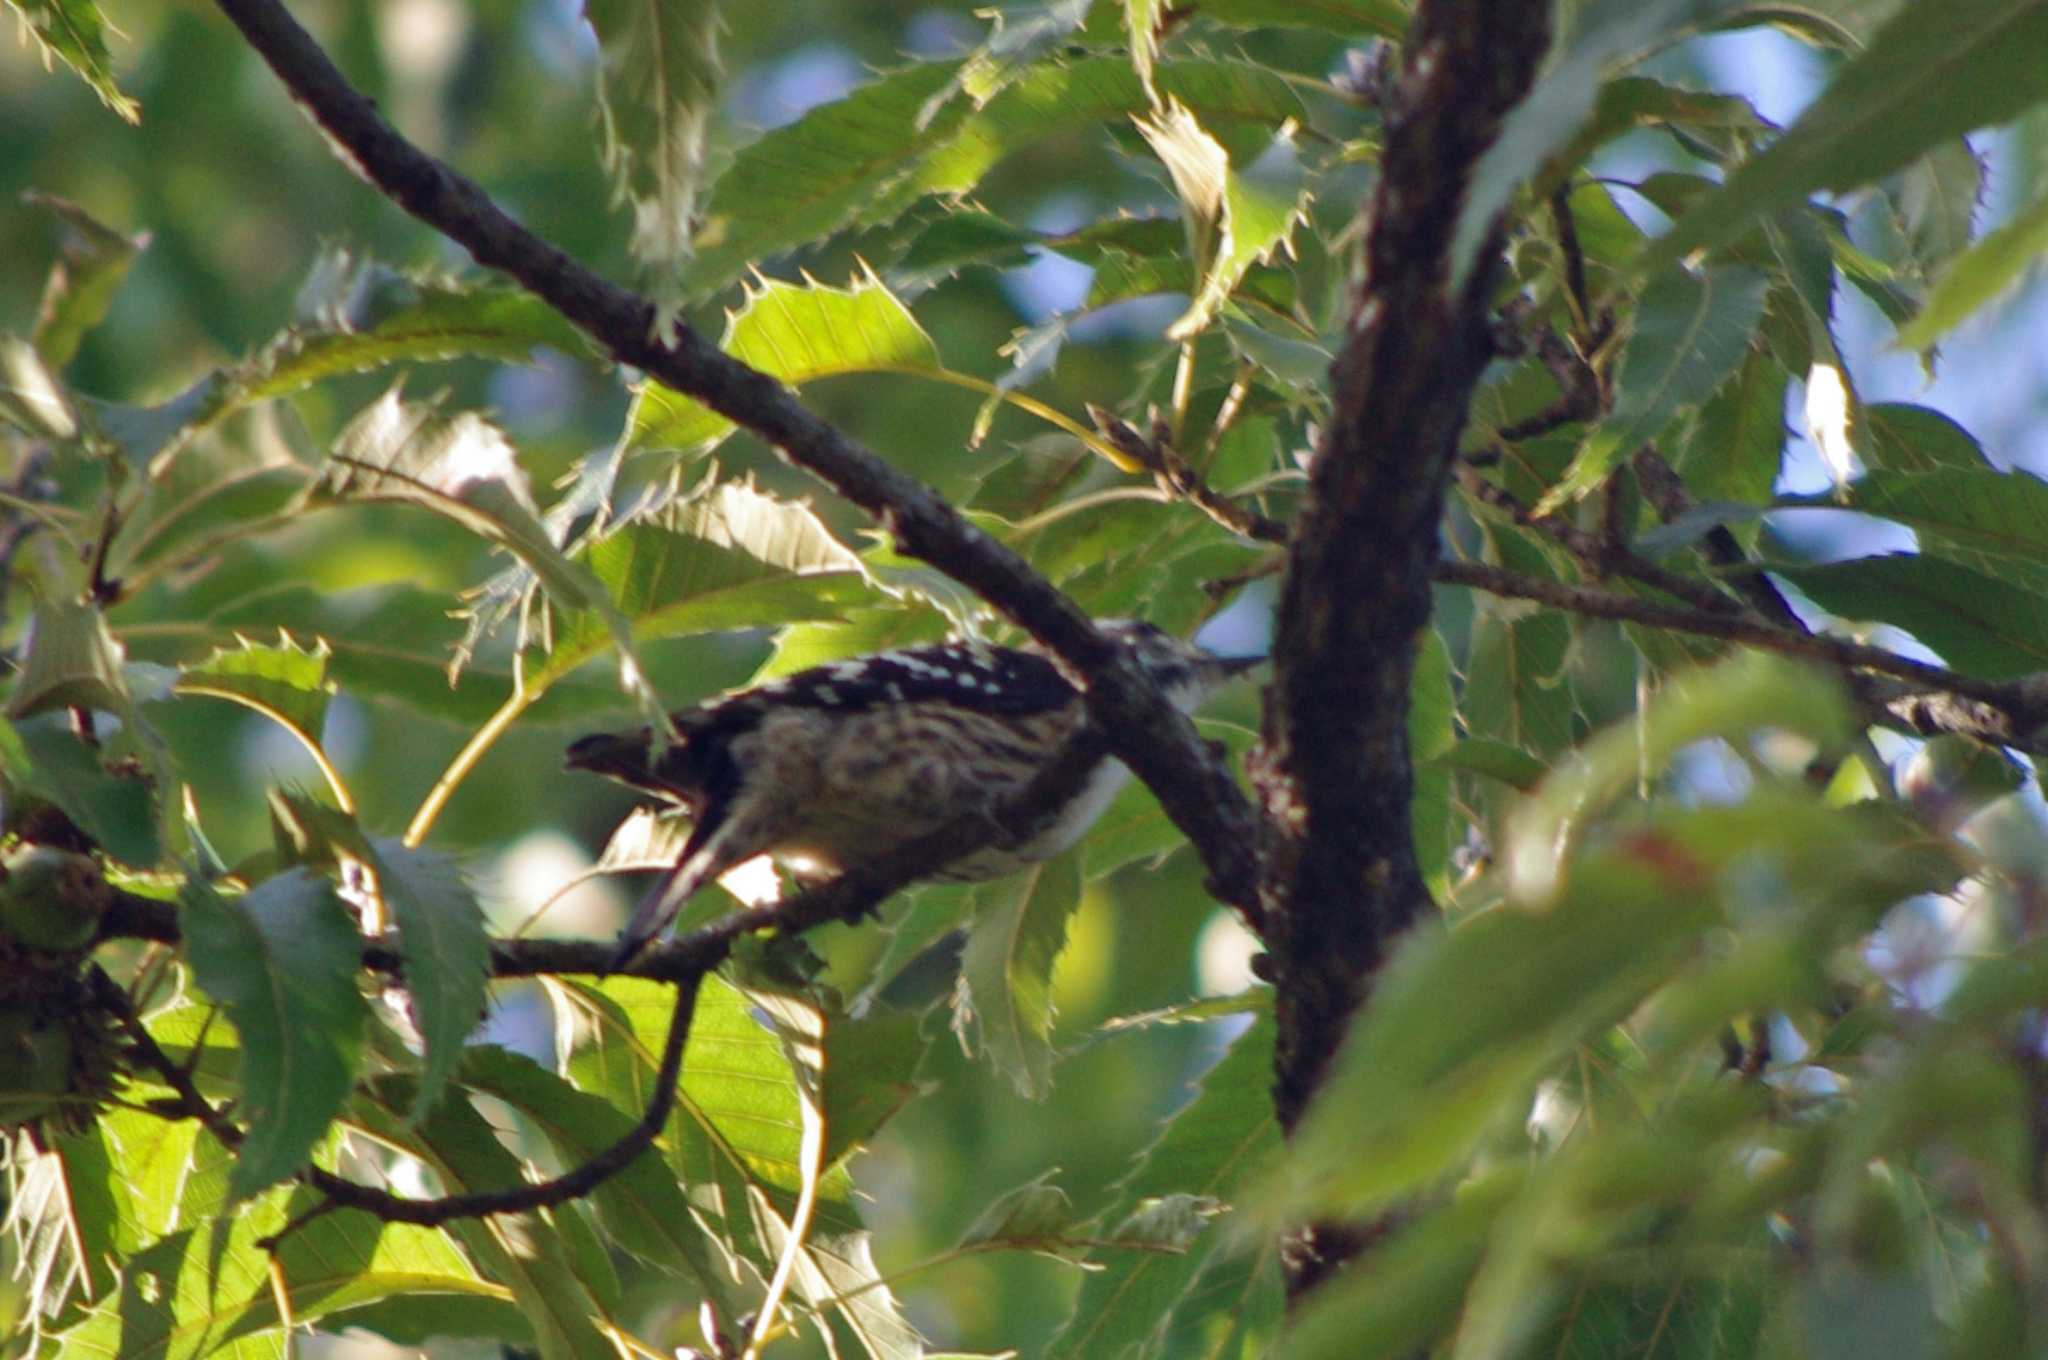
(1016, 933)
(74, 32)
(1213, 1146)
(658, 79)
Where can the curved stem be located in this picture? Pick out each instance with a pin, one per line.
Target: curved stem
(306, 739)
(466, 759)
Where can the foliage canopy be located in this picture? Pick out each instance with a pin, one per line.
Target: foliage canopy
(1726, 1040)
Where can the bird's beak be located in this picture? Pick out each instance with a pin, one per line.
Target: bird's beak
(1231, 667)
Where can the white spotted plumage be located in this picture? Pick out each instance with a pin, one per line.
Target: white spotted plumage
(837, 764)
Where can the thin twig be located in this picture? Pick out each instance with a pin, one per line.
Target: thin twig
(1602, 556)
(2024, 702)
(1178, 479)
(572, 1184)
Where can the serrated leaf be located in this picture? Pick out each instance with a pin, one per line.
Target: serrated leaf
(1554, 111)
(1900, 437)
(461, 467)
(727, 557)
(797, 333)
(287, 682)
(282, 959)
(736, 1140)
(1004, 1004)
(1432, 730)
(522, 1252)
(657, 90)
(447, 954)
(394, 643)
(44, 756)
(642, 1207)
(1690, 333)
(63, 1220)
(355, 315)
(92, 259)
(1979, 275)
(1931, 74)
(73, 32)
(1234, 219)
(825, 171)
(188, 1295)
(1992, 522)
(1365, 18)
(869, 157)
(1980, 624)
(1215, 1145)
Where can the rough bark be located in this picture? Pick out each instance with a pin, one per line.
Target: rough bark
(1340, 880)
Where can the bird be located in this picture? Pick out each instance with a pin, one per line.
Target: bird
(830, 767)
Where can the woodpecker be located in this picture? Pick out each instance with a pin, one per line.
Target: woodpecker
(835, 765)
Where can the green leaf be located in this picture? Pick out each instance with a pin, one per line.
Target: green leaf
(73, 32)
(1215, 1145)
(1554, 111)
(869, 157)
(32, 397)
(1432, 731)
(447, 954)
(287, 682)
(1690, 333)
(1364, 18)
(92, 259)
(1897, 437)
(1729, 698)
(283, 959)
(71, 660)
(196, 506)
(43, 756)
(1418, 1085)
(837, 165)
(729, 556)
(1514, 675)
(1979, 275)
(355, 315)
(186, 1295)
(1005, 999)
(527, 1254)
(67, 1221)
(462, 468)
(657, 91)
(1234, 219)
(348, 1260)
(1732, 452)
(1496, 760)
(736, 1139)
(1992, 522)
(642, 1207)
(395, 643)
(1933, 73)
(795, 332)
(1989, 627)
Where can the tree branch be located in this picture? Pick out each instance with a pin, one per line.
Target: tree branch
(2020, 706)
(341, 1193)
(1332, 768)
(1156, 740)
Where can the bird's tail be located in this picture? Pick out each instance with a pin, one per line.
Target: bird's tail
(700, 862)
